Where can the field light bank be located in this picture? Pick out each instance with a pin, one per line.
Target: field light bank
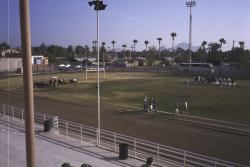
(98, 5)
(190, 3)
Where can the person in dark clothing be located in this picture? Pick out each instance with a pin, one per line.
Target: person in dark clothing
(149, 162)
(154, 104)
(145, 106)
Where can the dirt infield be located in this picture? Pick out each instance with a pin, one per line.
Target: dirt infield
(146, 126)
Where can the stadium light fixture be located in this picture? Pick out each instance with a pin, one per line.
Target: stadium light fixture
(98, 5)
(190, 4)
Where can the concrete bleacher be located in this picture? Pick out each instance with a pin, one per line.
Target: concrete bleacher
(52, 150)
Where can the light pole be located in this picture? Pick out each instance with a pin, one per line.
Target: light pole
(98, 5)
(86, 63)
(190, 4)
(27, 82)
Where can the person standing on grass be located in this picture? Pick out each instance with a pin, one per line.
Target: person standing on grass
(154, 104)
(145, 104)
(177, 107)
(186, 106)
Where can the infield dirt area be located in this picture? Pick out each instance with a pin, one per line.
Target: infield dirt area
(149, 126)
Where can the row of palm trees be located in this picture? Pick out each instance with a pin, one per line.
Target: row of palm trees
(173, 35)
(222, 41)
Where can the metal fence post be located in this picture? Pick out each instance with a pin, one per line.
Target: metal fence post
(98, 137)
(12, 111)
(135, 147)
(3, 110)
(184, 158)
(215, 163)
(81, 132)
(22, 114)
(158, 153)
(66, 128)
(115, 141)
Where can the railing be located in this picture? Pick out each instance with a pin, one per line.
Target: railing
(138, 148)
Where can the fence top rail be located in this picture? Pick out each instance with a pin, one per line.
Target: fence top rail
(78, 124)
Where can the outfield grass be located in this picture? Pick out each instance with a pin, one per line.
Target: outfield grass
(129, 89)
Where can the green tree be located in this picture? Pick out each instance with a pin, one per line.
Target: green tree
(146, 44)
(79, 50)
(204, 53)
(43, 48)
(4, 46)
(151, 55)
(113, 45)
(55, 51)
(242, 43)
(70, 52)
(124, 50)
(213, 54)
(135, 42)
(159, 41)
(173, 35)
(222, 41)
(94, 48)
(103, 50)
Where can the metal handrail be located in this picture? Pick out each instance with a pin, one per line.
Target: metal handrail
(139, 148)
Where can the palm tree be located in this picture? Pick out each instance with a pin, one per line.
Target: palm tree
(203, 45)
(103, 44)
(159, 40)
(146, 43)
(113, 44)
(103, 50)
(135, 42)
(124, 49)
(173, 35)
(222, 41)
(241, 43)
(94, 47)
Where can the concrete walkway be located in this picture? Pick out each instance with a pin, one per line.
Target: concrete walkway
(52, 150)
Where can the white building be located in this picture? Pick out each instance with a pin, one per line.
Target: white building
(11, 62)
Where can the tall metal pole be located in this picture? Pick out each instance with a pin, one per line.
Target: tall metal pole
(98, 81)
(190, 38)
(86, 59)
(27, 82)
(98, 5)
(190, 4)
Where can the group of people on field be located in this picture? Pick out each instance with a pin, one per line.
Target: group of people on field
(149, 104)
(54, 81)
(181, 108)
(211, 80)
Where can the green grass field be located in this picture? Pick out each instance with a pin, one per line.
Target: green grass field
(129, 89)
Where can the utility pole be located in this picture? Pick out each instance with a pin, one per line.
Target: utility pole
(98, 5)
(27, 82)
(86, 64)
(190, 4)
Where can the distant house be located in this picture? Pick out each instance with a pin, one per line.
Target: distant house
(39, 59)
(82, 60)
(131, 63)
(11, 61)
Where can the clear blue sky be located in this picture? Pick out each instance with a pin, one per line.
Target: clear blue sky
(66, 22)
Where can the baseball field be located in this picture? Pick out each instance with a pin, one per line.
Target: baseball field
(122, 95)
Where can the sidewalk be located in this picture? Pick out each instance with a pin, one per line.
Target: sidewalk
(52, 150)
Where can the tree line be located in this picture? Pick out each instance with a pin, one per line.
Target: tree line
(207, 52)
